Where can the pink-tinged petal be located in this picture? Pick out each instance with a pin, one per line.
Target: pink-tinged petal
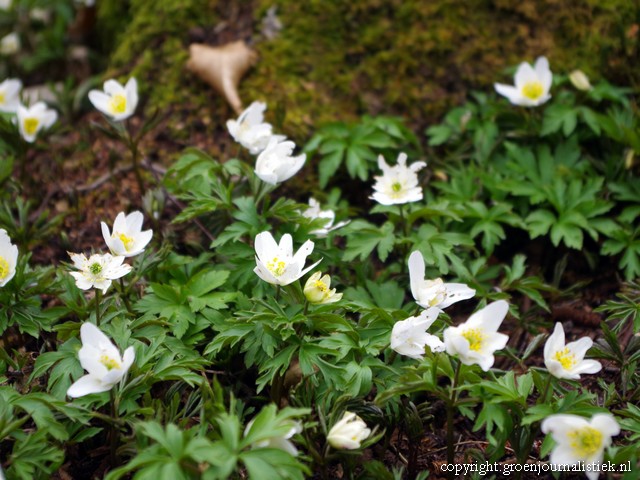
(490, 317)
(87, 385)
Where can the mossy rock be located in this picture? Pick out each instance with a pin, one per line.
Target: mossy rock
(335, 60)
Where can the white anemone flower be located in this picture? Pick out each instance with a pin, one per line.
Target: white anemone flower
(348, 433)
(434, 293)
(5, 5)
(282, 442)
(98, 270)
(102, 360)
(532, 84)
(409, 337)
(317, 290)
(250, 129)
(116, 101)
(275, 164)
(567, 361)
(10, 44)
(580, 441)
(127, 238)
(8, 258)
(10, 95)
(314, 212)
(398, 184)
(33, 119)
(475, 341)
(276, 263)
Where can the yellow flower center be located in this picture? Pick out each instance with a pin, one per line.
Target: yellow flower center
(565, 357)
(532, 90)
(126, 241)
(475, 337)
(31, 125)
(118, 104)
(320, 285)
(3, 98)
(276, 266)
(396, 187)
(4, 268)
(109, 362)
(586, 441)
(95, 268)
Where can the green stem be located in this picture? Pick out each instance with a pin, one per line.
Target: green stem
(97, 299)
(403, 219)
(133, 147)
(450, 410)
(113, 429)
(277, 292)
(543, 397)
(306, 308)
(124, 296)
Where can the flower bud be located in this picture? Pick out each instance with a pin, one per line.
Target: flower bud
(580, 80)
(348, 433)
(316, 290)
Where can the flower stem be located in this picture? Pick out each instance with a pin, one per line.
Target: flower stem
(97, 299)
(132, 143)
(124, 296)
(450, 408)
(306, 308)
(543, 397)
(113, 429)
(277, 292)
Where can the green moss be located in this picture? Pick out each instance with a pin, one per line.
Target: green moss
(338, 60)
(153, 48)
